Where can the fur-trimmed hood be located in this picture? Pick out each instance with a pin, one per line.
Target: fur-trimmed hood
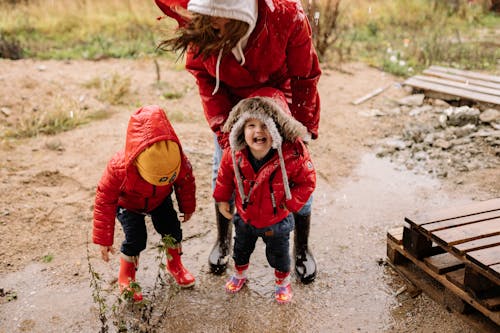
(269, 106)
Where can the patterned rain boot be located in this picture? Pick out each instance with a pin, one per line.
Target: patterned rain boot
(128, 267)
(305, 264)
(174, 266)
(236, 282)
(219, 256)
(283, 292)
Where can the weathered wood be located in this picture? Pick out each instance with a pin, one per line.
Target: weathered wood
(467, 86)
(443, 280)
(396, 235)
(443, 263)
(478, 285)
(456, 277)
(416, 244)
(485, 257)
(462, 93)
(372, 94)
(468, 232)
(469, 74)
(495, 269)
(477, 244)
(455, 212)
(463, 79)
(452, 222)
(394, 256)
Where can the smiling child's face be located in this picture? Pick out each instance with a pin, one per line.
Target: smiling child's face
(257, 137)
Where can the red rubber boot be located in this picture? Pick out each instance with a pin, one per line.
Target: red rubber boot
(239, 278)
(283, 293)
(128, 267)
(174, 266)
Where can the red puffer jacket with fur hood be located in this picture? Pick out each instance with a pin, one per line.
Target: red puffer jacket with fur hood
(265, 197)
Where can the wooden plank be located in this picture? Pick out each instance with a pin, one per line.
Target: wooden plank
(396, 235)
(443, 263)
(472, 75)
(479, 283)
(456, 277)
(462, 79)
(435, 226)
(468, 232)
(491, 303)
(495, 269)
(462, 93)
(460, 85)
(477, 244)
(455, 212)
(485, 257)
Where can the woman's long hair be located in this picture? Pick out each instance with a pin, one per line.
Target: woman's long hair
(204, 39)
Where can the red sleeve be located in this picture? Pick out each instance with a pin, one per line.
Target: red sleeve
(302, 179)
(224, 186)
(216, 107)
(303, 65)
(106, 203)
(185, 188)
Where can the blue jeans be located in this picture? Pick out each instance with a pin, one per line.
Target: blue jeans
(165, 222)
(276, 237)
(304, 211)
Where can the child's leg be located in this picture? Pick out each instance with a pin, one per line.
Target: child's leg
(278, 255)
(166, 222)
(135, 232)
(244, 244)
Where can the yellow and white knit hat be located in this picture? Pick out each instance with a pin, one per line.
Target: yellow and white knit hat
(159, 164)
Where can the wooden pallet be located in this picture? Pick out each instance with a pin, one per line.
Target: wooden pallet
(449, 83)
(459, 248)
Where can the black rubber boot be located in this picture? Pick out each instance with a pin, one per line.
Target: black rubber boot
(219, 256)
(305, 264)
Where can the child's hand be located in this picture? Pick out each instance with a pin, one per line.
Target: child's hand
(105, 250)
(186, 217)
(224, 209)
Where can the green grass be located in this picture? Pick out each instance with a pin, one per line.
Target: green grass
(73, 30)
(403, 37)
(417, 32)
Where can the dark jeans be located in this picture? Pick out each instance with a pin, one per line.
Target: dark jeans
(164, 219)
(276, 238)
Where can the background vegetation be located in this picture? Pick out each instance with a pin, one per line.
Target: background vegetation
(398, 36)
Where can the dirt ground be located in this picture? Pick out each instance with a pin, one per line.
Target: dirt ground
(48, 184)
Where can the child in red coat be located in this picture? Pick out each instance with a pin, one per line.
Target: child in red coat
(139, 181)
(271, 170)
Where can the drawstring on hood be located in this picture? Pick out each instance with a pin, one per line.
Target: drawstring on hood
(242, 10)
(280, 124)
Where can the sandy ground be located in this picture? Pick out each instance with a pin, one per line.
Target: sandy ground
(48, 185)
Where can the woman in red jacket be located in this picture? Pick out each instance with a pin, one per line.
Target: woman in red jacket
(234, 48)
(270, 170)
(139, 181)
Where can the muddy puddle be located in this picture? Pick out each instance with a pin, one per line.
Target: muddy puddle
(354, 291)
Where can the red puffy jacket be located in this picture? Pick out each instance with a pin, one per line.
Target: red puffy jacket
(121, 184)
(259, 210)
(279, 54)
